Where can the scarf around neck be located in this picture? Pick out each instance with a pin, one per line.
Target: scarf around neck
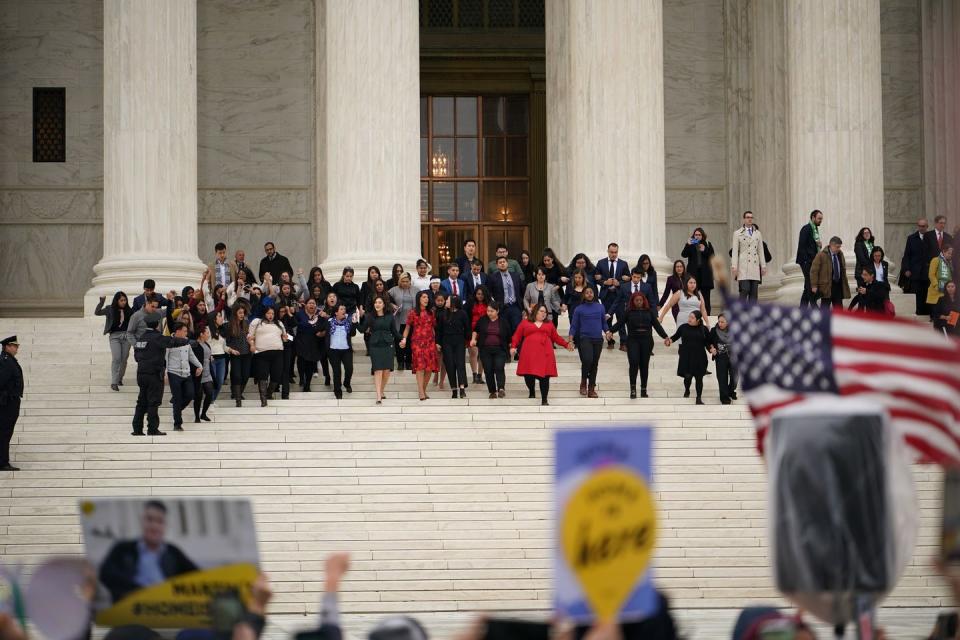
(816, 235)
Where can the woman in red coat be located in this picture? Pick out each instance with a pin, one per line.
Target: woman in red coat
(537, 361)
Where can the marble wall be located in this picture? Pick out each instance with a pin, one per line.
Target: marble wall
(255, 126)
(694, 122)
(900, 42)
(50, 213)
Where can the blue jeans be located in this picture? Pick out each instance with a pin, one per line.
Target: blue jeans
(219, 372)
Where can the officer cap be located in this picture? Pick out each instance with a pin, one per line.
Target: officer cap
(11, 340)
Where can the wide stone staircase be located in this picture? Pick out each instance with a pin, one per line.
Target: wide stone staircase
(445, 505)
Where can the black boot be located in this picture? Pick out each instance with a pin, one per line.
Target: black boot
(633, 393)
(235, 389)
(262, 388)
(643, 393)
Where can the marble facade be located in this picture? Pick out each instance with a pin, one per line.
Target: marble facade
(258, 138)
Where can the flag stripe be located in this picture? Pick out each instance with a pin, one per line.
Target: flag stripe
(931, 353)
(944, 377)
(926, 402)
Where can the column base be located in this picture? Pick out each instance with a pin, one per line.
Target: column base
(334, 265)
(791, 285)
(127, 273)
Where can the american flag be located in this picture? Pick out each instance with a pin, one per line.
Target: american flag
(787, 355)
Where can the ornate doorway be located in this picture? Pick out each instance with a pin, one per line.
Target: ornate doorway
(474, 174)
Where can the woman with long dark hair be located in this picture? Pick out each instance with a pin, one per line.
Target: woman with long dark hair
(686, 300)
(527, 266)
(378, 323)
(476, 308)
(586, 326)
(573, 294)
(698, 251)
(640, 321)
(537, 362)
(116, 321)
(556, 275)
(218, 348)
(395, 274)
(203, 385)
(581, 262)
(266, 336)
(674, 284)
(420, 333)
(314, 280)
(238, 348)
(645, 265)
(862, 250)
(540, 291)
(366, 289)
(452, 336)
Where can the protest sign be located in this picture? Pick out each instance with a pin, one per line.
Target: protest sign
(606, 524)
(159, 562)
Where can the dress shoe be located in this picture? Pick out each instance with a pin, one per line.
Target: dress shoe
(725, 401)
(643, 393)
(532, 395)
(453, 395)
(686, 393)
(348, 388)
(115, 387)
(137, 433)
(583, 387)
(699, 401)
(544, 403)
(156, 433)
(338, 395)
(178, 427)
(205, 418)
(120, 383)
(463, 393)
(501, 393)
(493, 395)
(9, 467)
(195, 420)
(733, 395)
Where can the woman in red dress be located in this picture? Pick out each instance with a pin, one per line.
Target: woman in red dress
(421, 323)
(537, 361)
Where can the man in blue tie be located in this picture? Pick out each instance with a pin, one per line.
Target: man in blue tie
(505, 289)
(828, 275)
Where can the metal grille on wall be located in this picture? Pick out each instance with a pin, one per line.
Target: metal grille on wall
(49, 124)
(482, 14)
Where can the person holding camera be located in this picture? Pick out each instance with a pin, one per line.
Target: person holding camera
(699, 252)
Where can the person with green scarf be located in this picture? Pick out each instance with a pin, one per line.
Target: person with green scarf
(863, 250)
(941, 272)
(808, 247)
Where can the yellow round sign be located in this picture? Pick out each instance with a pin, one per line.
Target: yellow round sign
(608, 532)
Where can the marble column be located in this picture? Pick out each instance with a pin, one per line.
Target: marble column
(368, 128)
(941, 108)
(834, 124)
(605, 154)
(150, 147)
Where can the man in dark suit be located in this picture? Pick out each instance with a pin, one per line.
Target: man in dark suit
(240, 264)
(505, 289)
(475, 278)
(915, 264)
(611, 273)
(936, 239)
(634, 285)
(134, 564)
(452, 285)
(149, 288)
(807, 248)
(469, 255)
(274, 263)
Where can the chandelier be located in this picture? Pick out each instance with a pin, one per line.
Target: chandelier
(440, 164)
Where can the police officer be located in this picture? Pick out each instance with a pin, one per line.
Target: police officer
(11, 390)
(150, 353)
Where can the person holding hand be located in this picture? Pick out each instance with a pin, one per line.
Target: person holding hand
(537, 361)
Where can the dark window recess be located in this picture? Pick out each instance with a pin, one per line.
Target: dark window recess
(470, 14)
(501, 13)
(441, 13)
(530, 13)
(49, 124)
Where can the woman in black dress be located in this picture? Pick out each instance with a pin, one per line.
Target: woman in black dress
(383, 337)
(694, 345)
(698, 251)
(453, 334)
(641, 321)
(308, 343)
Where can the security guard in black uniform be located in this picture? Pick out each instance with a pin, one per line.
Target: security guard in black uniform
(150, 352)
(11, 390)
